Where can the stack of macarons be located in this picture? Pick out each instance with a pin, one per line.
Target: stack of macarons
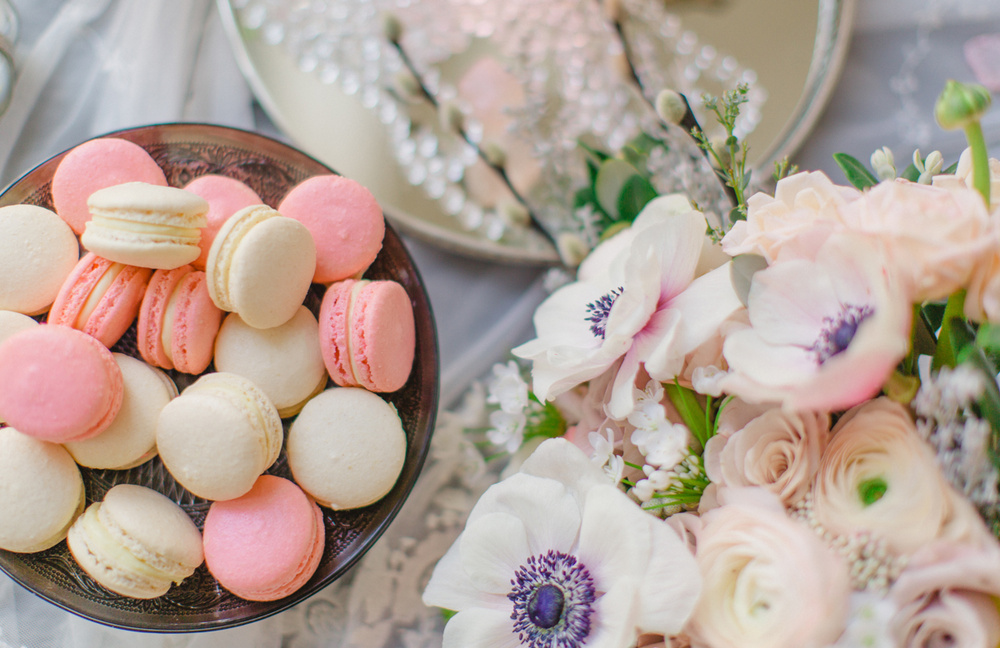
(130, 288)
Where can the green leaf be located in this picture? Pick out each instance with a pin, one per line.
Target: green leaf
(952, 169)
(855, 172)
(988, 337)
(963, 339)
(910, 173)
(584, 196)
(949, 338)
(635, 195)
(693, 416)
(612, 177)
(933, 313)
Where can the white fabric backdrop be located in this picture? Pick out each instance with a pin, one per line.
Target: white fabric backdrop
(90, 66)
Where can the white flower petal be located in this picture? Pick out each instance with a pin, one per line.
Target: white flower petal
(678, 242)
(700, 311)
(452, 589)
(788, 302)
(671, 584)
(606, 549)
(562, 461)
(613, 622)
(548, 510)
(480, 628)
(491, 549)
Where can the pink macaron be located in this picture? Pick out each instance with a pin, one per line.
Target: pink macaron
(367, 334)
(58, 384)
(100, 298)
(96, 164)
(345, 221)
(178, 321)
(225, 197)
(266, 544)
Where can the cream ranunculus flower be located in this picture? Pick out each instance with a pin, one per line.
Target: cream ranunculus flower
(805, 205)
(933, 237)
(769, 581)
(779, 451)
(556, 555)
(946, 596)
(824, 333)
(878, 476)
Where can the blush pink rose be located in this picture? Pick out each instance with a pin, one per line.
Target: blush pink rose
(805, 207)
(779, 451)
(933, 237)
(946, 596)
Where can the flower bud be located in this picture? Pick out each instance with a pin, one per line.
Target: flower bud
(513, 213)
(613, 10)
(670, 106)
(572, 248)
(928, 168)
(960, 104)
(884, 164)
(451, 116)
(406, 85)
(720, 145)
(392, 27)
(495, 154)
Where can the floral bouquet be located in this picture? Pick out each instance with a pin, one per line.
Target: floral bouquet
(776, 428)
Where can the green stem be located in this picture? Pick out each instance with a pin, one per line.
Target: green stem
(980, 160)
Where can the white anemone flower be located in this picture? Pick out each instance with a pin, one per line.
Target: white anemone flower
(556, 556)
(824, 333)
(640, 299)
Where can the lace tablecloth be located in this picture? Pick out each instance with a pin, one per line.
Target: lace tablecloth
(90, 66)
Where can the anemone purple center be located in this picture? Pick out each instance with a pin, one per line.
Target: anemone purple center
(599, 310)
(838, 332)
(553, 595)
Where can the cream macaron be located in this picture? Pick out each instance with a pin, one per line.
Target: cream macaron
(285, 361)
(261, 265)
(41, 492)
(145, 225)
(219, 436)
(136, 542)
(346, 448)
(38, 250)
(130, 440)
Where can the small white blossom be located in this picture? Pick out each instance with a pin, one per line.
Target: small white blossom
(603, 446)
(884, 164)
(615, 469)
(661, 442)
(705, 380)
(507, 429)
(928, 168)
(508, 388)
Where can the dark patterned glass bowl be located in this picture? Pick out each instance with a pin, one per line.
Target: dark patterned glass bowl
(186, 151)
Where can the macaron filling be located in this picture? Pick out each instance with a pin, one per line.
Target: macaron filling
(97, 294)
(154, 232)
(223, 248)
